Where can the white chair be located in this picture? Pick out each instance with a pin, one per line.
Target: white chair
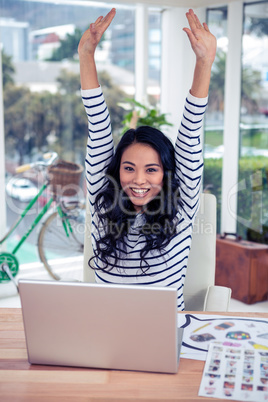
(199, 290)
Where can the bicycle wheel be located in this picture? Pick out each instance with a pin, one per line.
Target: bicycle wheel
(62, 255)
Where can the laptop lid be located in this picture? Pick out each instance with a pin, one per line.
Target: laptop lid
(101, 326)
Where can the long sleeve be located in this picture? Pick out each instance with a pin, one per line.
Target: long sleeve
(100, 145)
(188, 152)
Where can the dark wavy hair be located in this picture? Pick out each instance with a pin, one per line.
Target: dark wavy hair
(117, 213)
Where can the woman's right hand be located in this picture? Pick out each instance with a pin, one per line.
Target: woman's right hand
(203, 42)
(92, 36)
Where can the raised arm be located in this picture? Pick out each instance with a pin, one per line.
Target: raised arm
(100, 142)
(188, 147)
(204, 45)
(87, 47)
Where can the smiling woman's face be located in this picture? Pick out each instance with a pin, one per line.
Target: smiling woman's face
(141, 174)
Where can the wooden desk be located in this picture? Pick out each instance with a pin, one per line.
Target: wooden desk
(20, 381)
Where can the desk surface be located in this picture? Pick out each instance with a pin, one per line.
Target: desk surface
(20, 381)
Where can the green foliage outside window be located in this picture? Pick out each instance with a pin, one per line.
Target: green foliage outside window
(142, 115)
(44, 121)
(68, 46)
(251, 86)
(252, 198)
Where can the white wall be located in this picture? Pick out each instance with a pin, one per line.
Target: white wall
(177, 66)
(178, 61)
(141, 53)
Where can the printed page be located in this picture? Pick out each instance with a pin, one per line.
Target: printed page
(200, 330)
(235, 373)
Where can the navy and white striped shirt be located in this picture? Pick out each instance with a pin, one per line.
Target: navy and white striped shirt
(166, 267)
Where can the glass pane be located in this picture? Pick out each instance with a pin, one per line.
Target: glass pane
(213, 132)
(155, 50)
(253, 164)
(123, 56)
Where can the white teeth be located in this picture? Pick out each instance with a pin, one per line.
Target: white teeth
(139, 191)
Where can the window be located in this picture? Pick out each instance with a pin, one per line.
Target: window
(42, 105)
(253, 163)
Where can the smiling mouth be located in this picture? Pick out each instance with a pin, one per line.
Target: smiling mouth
(139, 192)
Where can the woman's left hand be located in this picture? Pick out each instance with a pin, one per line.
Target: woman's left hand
(203, 42)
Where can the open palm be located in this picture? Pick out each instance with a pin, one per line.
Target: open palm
(203, 42)
(92, 36)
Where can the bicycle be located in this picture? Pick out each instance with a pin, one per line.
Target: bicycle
(62, 218)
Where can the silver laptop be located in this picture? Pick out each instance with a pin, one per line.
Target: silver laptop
(101, 326)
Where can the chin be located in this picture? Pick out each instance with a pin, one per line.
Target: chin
(139, 205)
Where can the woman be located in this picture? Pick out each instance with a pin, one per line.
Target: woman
(145, 195)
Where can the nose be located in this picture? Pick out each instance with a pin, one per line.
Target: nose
(139, 178)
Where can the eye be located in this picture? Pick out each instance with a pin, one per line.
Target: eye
(151, 170)
(129, 168)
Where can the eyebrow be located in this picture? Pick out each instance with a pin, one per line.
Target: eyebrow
(133, 164)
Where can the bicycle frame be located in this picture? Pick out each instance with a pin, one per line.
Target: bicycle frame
(65, 222)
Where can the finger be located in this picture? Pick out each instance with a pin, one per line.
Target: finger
(102, 23)
(98, 19)
(197, 22)
(195, 19)
(109, 17)
(191, 36)
(92, 27)
(206, 27)
(191, 20)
